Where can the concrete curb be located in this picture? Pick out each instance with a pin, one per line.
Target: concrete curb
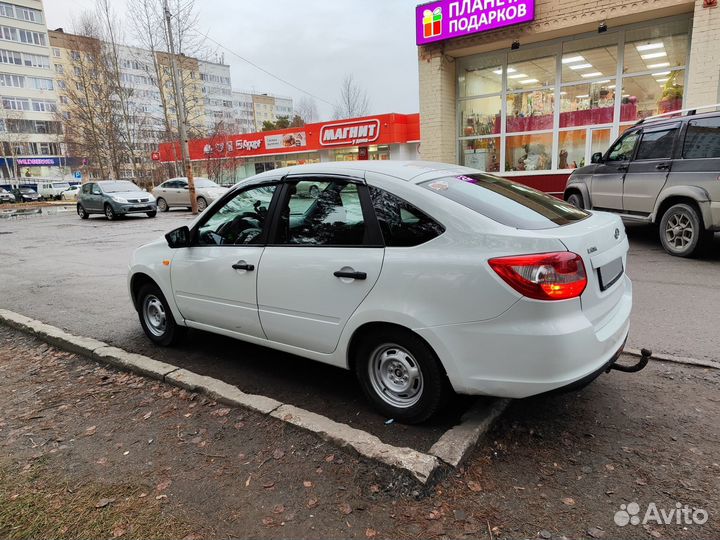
(456, 443)
(675, 359)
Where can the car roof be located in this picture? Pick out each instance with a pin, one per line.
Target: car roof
(404, 170)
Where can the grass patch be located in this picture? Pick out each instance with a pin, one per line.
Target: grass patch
(36, 503)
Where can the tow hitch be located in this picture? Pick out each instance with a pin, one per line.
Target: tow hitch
(645, 357)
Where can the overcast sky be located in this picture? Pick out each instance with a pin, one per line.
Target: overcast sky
(311, 43)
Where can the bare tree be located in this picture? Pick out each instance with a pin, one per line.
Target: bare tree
(10, 137)
(353, 100)
(306, 109)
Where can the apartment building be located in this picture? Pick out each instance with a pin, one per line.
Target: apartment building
(217, 95)
(30, 131)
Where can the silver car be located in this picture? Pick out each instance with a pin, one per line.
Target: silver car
(175, 193)
(665, 170)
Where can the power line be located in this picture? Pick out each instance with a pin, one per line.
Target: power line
(253, 64)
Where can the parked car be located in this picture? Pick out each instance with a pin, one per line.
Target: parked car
(6, 196)
(71, 193)
(114, 198)
(664, 171)
(52, 190)
(420, 277)
(175, 193)
(25, 194)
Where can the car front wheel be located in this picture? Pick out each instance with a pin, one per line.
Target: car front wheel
(156, 318)
(401, 375)
(162, 205)
(681, 231)
(152, 214)
(110, 213)
(576, 200)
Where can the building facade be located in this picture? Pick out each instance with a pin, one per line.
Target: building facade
(535, 97)
(30, 130)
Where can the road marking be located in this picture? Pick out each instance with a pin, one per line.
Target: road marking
(450, 449)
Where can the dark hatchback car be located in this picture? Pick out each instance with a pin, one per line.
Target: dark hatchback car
(26, 194)
(665, 170)
(114, 198)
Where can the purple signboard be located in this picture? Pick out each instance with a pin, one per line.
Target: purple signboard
(37, 162)
(447, 19)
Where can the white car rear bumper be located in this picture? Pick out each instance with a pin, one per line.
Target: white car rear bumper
(532, 348)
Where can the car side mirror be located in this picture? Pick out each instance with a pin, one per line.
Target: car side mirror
(178, 238)
(597, 157)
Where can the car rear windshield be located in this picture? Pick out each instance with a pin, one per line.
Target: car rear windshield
(118, 187)
(506, 202)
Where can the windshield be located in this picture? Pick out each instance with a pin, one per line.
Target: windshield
(27, 190)
(506, 202)
(118, 187)
(205, 183)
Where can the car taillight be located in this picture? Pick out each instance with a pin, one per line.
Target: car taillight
(546, 276)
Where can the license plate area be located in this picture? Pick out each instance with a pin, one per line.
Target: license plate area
(610, 273)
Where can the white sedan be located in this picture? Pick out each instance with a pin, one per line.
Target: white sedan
(71, 193)
(419, 277)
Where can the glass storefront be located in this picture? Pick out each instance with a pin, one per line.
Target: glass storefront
(550, 106)
(351, 154)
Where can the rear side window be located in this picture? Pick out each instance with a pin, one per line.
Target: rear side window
(702, 139)
(657, 144)
(402, 224)
(506, 202)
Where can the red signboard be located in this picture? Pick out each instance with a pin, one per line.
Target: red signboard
(383, 129)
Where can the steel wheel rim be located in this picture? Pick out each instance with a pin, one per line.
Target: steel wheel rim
(202, 204)
(679, 231)
(154, 315)
(396, 376)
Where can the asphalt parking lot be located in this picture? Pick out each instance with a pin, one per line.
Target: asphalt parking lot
(72, 274)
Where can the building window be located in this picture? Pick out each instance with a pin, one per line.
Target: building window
(56, 52)
(508, 101)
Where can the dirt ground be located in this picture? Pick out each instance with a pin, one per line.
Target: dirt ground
(87, 451)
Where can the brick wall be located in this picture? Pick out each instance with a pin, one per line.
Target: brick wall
(554, 19)
(704, 70)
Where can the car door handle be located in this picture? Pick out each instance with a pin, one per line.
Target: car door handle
(663, 167)
(242, 265)
(350, 275)
(622, 168)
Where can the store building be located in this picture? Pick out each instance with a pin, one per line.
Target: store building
(229, 159)
(532, 88)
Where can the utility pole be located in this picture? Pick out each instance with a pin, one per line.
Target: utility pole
(182, 120)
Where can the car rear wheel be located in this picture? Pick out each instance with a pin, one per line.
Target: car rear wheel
(162, 205)
(576, 200)
(110, 213)
(156, 318)
(201, 204)
(681, 231)
(400, 374)
(82, 212)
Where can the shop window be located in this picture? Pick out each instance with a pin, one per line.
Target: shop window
(592, 58)
(531, 73)
(482, 154)
(647, 95)
(658, 47)
(572, 149)
(480, 116)
(530, 111)
(587, 104)
(702, 139)
(599, 140)
(657, 144)
(477, 81)
(528, 152)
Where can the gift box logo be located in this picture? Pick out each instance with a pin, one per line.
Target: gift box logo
(432, 22)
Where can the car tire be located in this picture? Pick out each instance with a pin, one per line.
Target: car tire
(682, 232)
(401, 375)
(162, 205)
(152, 214)
(110, 213)
(82, 212)
(202, 204)
(156, 319)
(576, 200)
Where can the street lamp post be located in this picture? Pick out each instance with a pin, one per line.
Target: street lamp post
(182, 126)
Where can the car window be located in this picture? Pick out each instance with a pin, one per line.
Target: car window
(506, 202)
(240, 220)
(702, 139)
(96, 190)
(87, 188)
(657, 144)
(322, 213)
(402, 224)
(623, 149)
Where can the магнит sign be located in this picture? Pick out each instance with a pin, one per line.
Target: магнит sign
(446, 19)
